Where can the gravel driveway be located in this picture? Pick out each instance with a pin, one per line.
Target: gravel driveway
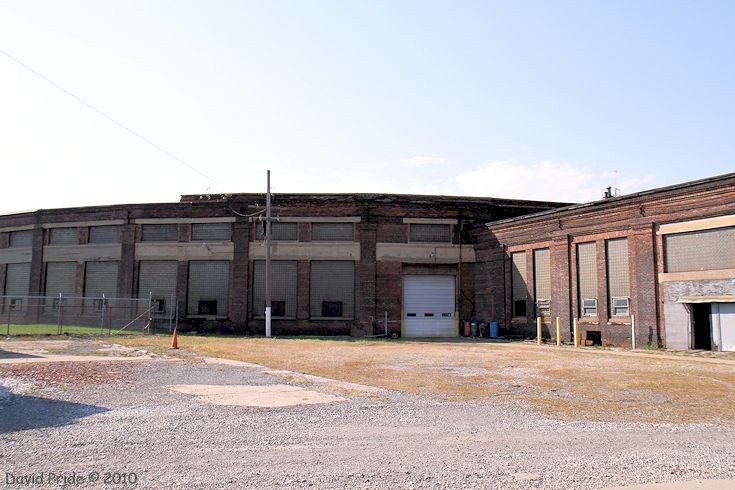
(123, 419)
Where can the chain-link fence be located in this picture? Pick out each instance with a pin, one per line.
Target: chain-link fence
(56, 315)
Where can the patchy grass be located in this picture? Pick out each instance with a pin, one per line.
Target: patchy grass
(52, 329)
(559, 382)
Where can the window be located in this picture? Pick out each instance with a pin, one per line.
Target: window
(21, 238)
(519, 287)
(587, 278)
(63, 236)
(207, 307)
(332, 289)
(283, 288)
(158, 305)
(700, 250)
(104, 234)
(338, 232)
(279, 231)
(160, 233)
(542, 281)
(618, 283)
(430, 233)
(201, 232)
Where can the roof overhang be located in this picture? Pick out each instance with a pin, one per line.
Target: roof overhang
(707, 299)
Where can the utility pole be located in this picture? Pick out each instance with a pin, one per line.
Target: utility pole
(268, 257)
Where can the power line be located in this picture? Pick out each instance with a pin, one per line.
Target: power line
(90, 106)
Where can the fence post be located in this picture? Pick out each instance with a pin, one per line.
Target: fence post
(558, 331)
(102, 320)
(171, 313)
(576, 332)
(539, 330)
(58, 316)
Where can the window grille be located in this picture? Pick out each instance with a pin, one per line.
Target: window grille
(618, 282)
(160, 233)
(21, 238)
(519, 286)
(542, 280)
(279, 231)
(104, 234)
(430, 233)
(284, 286)
(208, 287)
(332, 282)
(63, 236)
(587, 278)
(201, 232)
(157, 279)
(342, 232)
(700, 250)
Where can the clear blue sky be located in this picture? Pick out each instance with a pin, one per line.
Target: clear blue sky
(536, 100)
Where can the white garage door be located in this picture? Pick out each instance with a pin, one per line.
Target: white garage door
(428, 306)
(727, 326)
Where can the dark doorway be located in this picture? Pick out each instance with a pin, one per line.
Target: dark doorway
(701, 327)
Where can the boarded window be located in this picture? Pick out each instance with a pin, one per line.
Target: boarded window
(332, 289)
(430, 233)
(104, 234)
(157, 280)
(587, 278)
(283, 288)
(201, 232)
(341, 232)
(63, 236)
(208, 287)
(61, 278)
(279, 231)
(21, 238)
(542, 281)
(101, 278)
(618, 282)
(700, 250)
(519, 286)
(160, 233)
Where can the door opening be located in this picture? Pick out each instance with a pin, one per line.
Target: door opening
(701, 326)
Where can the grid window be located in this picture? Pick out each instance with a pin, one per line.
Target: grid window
(700, 250)
(542, 280)
(430, 233)
(201, 232)
(208, 287)
(587, 278)
(63, 236)
(618, 282)
(283, 288)
(104, 234)
(332, 289)
(21, 238)
(338, 232)
(279, 231)
(519, 286)
(160, 233)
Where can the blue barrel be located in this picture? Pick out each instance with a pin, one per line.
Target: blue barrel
(473, 327)
(494, 331)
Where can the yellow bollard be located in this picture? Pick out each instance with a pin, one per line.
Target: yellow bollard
(558, 331)
(539, 330)
(576, 332)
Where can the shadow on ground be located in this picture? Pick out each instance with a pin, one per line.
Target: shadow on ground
(4, 354)
(20, 412)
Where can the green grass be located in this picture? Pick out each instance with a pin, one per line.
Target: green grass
(52, 329)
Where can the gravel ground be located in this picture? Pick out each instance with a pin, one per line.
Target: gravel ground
(132, 423)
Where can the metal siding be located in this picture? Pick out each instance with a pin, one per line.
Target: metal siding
(618, 281)
(18, 279)
(332, 280)
(210, 231)
(727, 326)
(160, 233)
(208, 280)
(101, 278)
(21, 238)
(700, 250)
(157, 279)
(63, 236)
(542, 273)
(279, 231)
(61, 277)
(104, 234)
(284, 285)
(586, 272)
(430, 233)
(343, 232)
(518, 279)
(428, 303)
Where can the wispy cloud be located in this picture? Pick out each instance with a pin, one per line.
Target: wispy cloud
(423, 161)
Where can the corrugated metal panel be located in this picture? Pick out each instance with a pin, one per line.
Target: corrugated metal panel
(18, 279)
(209, 280)
(201, 232)
(284, 286)
(63, 236)
(332, 231)
(21, 238)
(428, 303)
(157, 279)
(542, 273)
(332, 283)
(101, 278)
(104, 234)
(618, 281)
(430, 233)
(700, 250)
(587, 276)
(61, 277)
(279, 231)
(160, 233)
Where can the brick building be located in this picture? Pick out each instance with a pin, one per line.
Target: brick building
(664, 258)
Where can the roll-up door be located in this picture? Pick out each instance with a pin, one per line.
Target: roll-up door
(283, 288)
(332, 289)
(208, 287)
(157, 280)
(428, 306)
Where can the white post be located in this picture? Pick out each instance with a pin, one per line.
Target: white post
(632, 331)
